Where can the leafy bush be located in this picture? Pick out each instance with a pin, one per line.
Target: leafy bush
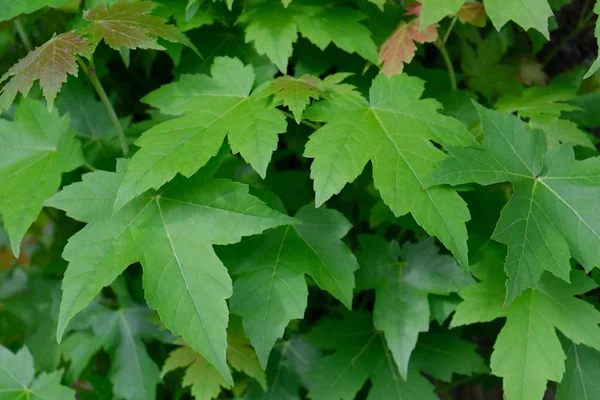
(296, 199)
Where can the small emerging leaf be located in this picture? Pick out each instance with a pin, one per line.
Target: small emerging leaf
(50, 63)
(399, 48)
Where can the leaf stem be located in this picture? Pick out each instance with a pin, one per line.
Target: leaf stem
(442, 48)
(447, 35)
(307, 123)
(91, 73)
(23, 35)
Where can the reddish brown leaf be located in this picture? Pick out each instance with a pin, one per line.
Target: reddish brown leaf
(129, 24)
(399, 48)
(413, 8)
(472, 13)
(50, 63)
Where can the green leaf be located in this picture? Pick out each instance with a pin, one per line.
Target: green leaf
(360, 354)
(443, 353)
(205, 380)
(527, 351)
(127, 24)
(17, 379)
(526, 13)
(286, 371)
(536, 102)
(271, 290)
(10, 9)
(212, 108)
(296, 93)
(393, 130)
(35, 149)
(50, 64)
(401, 308)
(435, 10)
(550, 216)
(274, 28)
(561, 131)
(580, 381)
(171, 233)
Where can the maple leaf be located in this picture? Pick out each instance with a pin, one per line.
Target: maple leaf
(526, 13)
(360, 354)
(399, 48)
(171, 233)
(441, 354)
(18, 381)
(270, 289)
(433, 11)
(287, 370)
(527, 351)
(580, 380)
(393, 130)
(134, 375)
(10, 9)
(472, 13)
(274, 28)
(35, 149)
(205, 381)
(401, 308)
(128, 24)
(296, 93)
(549, 216)
(212, 108)
(50, 63)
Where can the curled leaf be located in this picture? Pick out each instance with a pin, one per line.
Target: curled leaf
(50, 63)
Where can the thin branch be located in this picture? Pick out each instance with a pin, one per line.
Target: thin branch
(23, 35)
(447, 35)
(451, 74)
(91, 73)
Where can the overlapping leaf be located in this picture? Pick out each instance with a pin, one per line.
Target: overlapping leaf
(171, 233)
(551, 215)
(596, 65)
(580, 380)
(393, 130)
(50, 64)
(35, 149)
(274, 28)
(128, 24)
(297, 93)
(18, 381)
(360, 354)
(12, 8)
(527, 351)
(205, 381)
(401, 308)
(271, 288)
(212, 108)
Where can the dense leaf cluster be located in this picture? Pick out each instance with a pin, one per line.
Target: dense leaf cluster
(268, 199)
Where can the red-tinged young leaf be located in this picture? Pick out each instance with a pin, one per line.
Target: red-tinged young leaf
(472, 13)
(50, 63)
(129, 24)
(414, 8)
(399, 48)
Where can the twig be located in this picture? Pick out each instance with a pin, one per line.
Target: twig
(23, 35)
(91, 73)
(447, 35)
(448, 61)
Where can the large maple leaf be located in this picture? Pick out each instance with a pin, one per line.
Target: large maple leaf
(35, 149)
(171, 233)
(274, 28)
(394, 131)
(50, 63)
(553, 212)
(527, 351)
(212, 108)
(401, 308)
(270, 289)
(128, 24)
